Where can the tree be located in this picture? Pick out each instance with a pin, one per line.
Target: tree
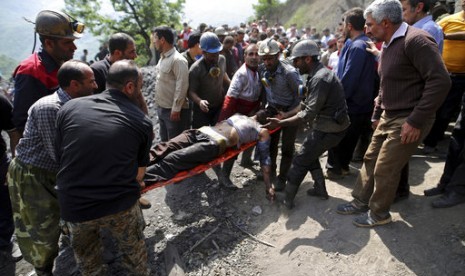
(267, 8)
(134, 17)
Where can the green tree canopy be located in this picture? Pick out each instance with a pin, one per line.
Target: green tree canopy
(268, 9)
(134, 17)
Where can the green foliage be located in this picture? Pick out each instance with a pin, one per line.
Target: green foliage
(134, 17)
(268, 8)
(7, 65)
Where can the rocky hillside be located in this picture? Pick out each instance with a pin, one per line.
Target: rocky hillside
(316, 13)
(321, 13)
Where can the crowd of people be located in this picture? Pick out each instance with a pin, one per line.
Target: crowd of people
(387, 80)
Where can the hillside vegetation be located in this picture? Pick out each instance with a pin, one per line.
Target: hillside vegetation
(315, 13)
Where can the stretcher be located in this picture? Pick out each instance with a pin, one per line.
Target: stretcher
(228, 154)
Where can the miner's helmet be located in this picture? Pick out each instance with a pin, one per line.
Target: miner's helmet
(58, 24)
(268, 47)
(210, 43)
(305, 48)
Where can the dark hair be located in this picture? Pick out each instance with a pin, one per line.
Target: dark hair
(246, 50)
(166, 33)
(193, 39)
(71, 70)
(355, 17)
(262, 114)
(119, 41)
(122, 72)
(426, 4)
(262, 36)
(228, 39)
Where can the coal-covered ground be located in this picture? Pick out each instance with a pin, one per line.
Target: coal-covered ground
(206, 223)
(216, 231)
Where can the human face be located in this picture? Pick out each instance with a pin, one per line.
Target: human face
(211, 58)
(86, 86)
(299, 64)
(133, 89)
(270, 62)
(374, 29)
(157, 42)
(130, 52)
(408, 12)
(346, 28)
(251, 57)
(340, 43)
(62, 49)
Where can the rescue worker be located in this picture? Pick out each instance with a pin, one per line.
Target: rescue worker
(325, 108)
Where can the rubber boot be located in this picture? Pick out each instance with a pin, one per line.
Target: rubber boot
(319, 185)
(222, 179)
(290, 192)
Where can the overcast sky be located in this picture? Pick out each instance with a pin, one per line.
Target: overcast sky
(218, 12)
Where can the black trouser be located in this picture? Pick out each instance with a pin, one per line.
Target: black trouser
(307, 159)
(446, 112)
(454, 169)
(340, 156)
(287, 149)
(183, 152)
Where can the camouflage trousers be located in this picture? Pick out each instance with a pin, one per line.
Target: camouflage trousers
(36, 213)
(125, 227)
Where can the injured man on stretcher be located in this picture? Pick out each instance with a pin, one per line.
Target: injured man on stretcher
(198, 146)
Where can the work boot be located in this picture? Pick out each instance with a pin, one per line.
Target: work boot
(279, 184)
(438, 190)
(448, 199)
(222, 179)
(319, 185)
(290, 192)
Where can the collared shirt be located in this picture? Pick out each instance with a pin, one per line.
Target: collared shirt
(172, 81)
(100, 69)
(101, 141)
(400, 32)
(283, 87)
(325, 106)
(357, 72)
(245, 84)
(37, 147)
(427, 24)
(208, 87)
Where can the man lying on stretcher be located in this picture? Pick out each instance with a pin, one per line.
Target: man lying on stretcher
(198, 146)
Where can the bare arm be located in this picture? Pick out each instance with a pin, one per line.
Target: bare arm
(140, 176)
(226, 79)
(14, 140)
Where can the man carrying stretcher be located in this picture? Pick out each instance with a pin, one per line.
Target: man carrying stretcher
(198, 146)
